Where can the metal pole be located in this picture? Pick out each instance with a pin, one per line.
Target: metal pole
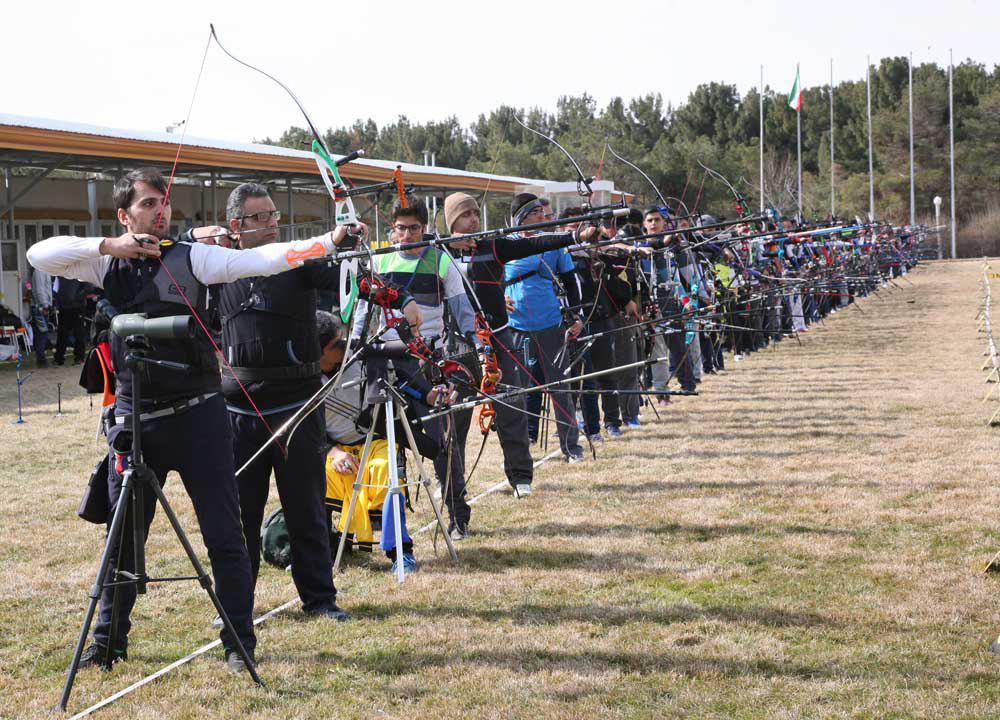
(291, 209)
(833, 196)
(434, 200)
(951, 146)
(761, 113)
(215, 198)
(937, 224)
(871, 175)
(10, 229)
(9, 182)
(798, 141)
(118, 226)
(94, 226)
(913, 202)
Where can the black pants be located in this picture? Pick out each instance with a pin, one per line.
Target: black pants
(301, 481)
(538, 366)
(198, 445)
(40, 330)
(627, 353)
(510, 423)
(70, 322)
(602, 357)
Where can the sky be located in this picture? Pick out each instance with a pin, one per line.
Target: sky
(137, 65)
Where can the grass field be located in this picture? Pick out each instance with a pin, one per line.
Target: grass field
(804, 539)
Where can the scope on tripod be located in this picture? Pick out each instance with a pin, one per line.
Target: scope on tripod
(172, 327)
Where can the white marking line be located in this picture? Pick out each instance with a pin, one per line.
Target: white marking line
(281, 608)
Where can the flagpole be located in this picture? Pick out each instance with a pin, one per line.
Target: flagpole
(761, 112)
(833, 210)
(871, 175)
(951, 145)
(798, 139)
(913, 204)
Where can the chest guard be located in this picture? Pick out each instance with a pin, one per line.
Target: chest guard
(144, 286)
(270, 324)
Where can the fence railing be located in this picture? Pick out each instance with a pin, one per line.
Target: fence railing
(991, 365)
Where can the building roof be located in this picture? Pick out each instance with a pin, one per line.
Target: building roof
(29, 141)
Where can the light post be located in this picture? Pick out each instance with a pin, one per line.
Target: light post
(937, 224)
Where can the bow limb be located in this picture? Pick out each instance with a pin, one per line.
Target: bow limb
(663, 200)
(582, 180)
(345, 213)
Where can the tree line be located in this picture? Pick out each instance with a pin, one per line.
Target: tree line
(719, 127)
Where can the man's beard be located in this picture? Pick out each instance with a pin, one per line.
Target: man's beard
(149, 227)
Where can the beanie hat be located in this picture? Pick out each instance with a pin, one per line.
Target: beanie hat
(522, 205)
(456, 204)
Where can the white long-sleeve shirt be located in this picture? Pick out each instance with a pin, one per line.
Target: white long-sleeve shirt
(80, 258)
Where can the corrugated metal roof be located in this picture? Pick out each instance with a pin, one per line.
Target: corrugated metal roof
(60, 136)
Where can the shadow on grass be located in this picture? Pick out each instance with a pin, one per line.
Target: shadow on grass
(605, 615)
(406, 661)
(696, 531)
(655, 486)
(491, 560)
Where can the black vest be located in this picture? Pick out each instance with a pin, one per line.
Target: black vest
(143, 286)
(269, 336)
(71, 294)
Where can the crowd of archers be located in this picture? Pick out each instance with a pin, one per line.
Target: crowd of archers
(588, 322)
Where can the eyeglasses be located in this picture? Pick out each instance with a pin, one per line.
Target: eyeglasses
(262, 217)
(415, 228)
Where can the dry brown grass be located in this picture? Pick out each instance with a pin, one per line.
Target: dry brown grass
(802, 540)
(980, 235)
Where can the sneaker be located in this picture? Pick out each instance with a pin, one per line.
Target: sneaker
(458, 533)
(522, 490)
(596, 438)
(663, 400)
(632, 423)
(329, 612)
(574, 458)
(43, 363)
(614, 431)
(409, 566)
(235, 663)
(95, 655)
(217, 622)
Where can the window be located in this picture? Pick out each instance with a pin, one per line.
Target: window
(80, 230)
(30, 235)
(64, 229)
(48, 231)
(9, 256)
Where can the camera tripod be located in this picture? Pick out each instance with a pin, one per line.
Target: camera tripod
(138, 479)
(393, 408)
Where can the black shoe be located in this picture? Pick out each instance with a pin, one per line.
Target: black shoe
(235, 663)
(43, 363)
(60, 363)
(95, 656)
(329, 612)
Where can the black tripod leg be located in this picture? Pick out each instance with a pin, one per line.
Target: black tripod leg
(134, 518)
(206, 581)
(117, 522)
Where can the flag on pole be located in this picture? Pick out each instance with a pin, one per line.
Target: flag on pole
(795, 96)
